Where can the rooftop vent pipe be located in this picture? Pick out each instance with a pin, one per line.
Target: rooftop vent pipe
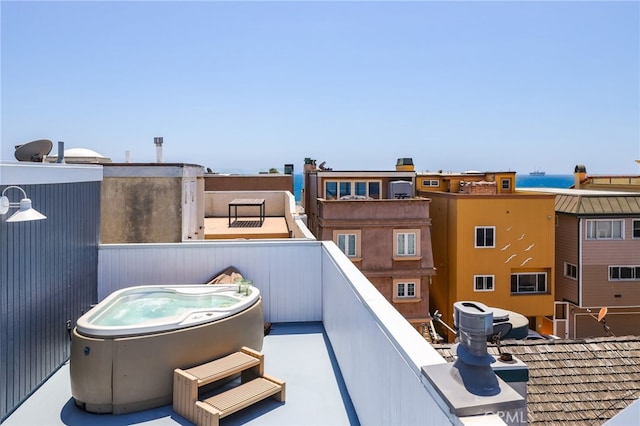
(60, 158)
(158, 142)
(474, 322)
(469, 385)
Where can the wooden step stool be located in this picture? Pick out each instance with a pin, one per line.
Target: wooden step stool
(255, 386)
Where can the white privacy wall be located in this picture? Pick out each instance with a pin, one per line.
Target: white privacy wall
(287, 272)
(379, 352)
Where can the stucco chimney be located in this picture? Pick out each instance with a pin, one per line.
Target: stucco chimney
(309, 165)
(579, 174)
(158, 141)
(405, 165)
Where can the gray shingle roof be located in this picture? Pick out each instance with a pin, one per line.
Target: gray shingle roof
(577, 382)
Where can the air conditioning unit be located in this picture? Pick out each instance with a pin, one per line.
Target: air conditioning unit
(400, 189)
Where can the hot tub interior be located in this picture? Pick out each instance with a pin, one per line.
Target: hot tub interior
(145, 309)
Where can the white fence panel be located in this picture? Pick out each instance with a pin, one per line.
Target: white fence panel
(379, 352)
(288, 273)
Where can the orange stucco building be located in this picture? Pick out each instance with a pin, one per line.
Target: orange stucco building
(492, 244)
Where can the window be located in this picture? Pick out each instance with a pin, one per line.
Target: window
(334, 190)
(331, 190)
(348, 241)
(570, 271)
(505, 183)
(345, 189)
(483, 283)
(430, 182)
(405, 290)
(361, 189)
(485, 236)
(406, 244)
(529, 283)
(374, 190)
(624, 273)
(604, 229)
(636, 228)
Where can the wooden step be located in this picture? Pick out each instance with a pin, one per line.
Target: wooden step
(211, 410)
(186, 383)
(227, 366)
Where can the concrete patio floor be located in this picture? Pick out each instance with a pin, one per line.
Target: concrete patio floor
(298, 353)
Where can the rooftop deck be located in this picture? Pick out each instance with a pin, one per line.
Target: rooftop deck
(297, 353)
(216, 228)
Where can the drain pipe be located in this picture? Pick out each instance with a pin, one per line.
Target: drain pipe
(60, 158)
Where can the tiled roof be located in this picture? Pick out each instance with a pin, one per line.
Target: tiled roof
(577, 382)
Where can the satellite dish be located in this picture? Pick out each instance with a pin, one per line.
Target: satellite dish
(33, 151)
(602, 313)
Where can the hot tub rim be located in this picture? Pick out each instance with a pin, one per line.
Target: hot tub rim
(85, 328)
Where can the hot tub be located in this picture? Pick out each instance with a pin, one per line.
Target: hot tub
(124, 350)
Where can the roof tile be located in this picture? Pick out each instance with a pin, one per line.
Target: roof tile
(577, 382)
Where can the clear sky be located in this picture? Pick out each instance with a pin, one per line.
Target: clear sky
(247, 86)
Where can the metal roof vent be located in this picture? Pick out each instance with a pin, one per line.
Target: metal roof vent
(469, 385)
(474, 322)
(158, 143)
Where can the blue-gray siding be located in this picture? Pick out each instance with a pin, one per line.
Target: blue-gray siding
(48, 275)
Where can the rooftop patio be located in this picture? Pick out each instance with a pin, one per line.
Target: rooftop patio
(336, 342)
(298, 353)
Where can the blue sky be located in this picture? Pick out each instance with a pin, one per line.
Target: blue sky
(246, 86)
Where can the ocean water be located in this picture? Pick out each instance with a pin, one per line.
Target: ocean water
(522, 181)
(546, 181)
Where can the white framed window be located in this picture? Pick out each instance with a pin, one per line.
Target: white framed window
(570, 271)
(505, 183)
(624, 273)
(528, 283)
(347, 189)
(406, 290)
(360, 189)
(430, 182)
(483, 282)
(348, 241)
(636, 228)
(406, 242)
(485, 236)
(344, 189)
(599, 229)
